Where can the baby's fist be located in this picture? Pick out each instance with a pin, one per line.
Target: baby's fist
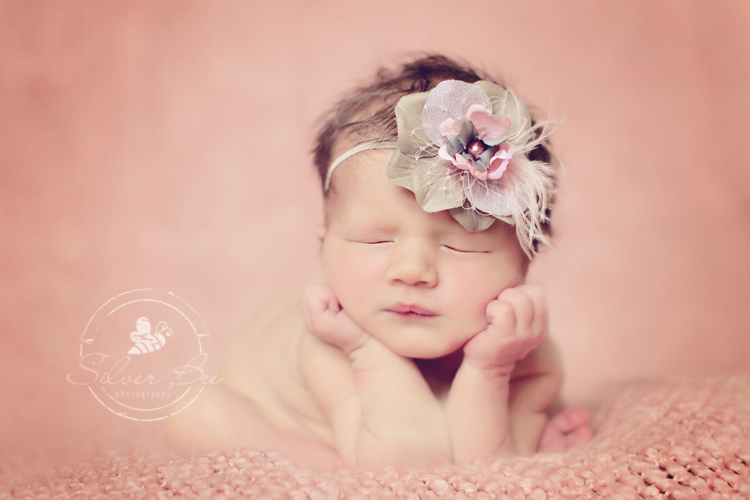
(328, 321)
(517, 324)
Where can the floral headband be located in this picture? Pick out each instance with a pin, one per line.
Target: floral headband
(464, 147)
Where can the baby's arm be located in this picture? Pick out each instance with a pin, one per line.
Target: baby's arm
(534, 396)
(477, 409)
(380, 408)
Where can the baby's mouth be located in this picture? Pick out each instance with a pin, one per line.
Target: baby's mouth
(411, 310)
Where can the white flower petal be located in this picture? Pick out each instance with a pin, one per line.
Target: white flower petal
(450, 99)
(488, 196)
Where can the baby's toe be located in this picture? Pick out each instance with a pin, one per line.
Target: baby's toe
(568, 421)
(552, 440)
(566, 430)
(580, 436)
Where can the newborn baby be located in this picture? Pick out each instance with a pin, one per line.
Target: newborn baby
(424, 346)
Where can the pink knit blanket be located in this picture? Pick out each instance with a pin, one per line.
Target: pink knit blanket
(681, 439)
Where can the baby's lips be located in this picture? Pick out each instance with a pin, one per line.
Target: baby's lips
(402, 308)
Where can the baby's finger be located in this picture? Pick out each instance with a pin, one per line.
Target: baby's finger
(324, 296)
(523, 307)
(539, 325)
(327, 320)
(501, 317)
(319, 304)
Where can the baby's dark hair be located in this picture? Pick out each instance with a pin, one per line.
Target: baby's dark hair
(367, 113)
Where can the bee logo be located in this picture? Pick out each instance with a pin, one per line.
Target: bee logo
(144, 340)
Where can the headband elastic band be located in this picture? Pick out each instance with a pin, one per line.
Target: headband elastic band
(357, 149)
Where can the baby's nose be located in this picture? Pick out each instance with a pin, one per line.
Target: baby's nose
(413, 264)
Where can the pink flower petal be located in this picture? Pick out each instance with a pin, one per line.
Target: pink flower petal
(499, 162)
(489, 126)
(479, 174)
(463, 163)
(509, 148)
(475, 109)
(497, 167)
(450, 126)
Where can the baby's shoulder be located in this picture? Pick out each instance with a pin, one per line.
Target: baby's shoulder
(262, 363)
(267, 342)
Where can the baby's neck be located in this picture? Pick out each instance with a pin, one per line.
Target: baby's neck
(440, 372)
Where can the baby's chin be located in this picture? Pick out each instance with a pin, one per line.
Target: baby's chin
(416, 341)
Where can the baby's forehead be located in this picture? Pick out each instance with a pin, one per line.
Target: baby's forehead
(360, 174)
(361, 195)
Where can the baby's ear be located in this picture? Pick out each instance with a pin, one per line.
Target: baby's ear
(320, 232)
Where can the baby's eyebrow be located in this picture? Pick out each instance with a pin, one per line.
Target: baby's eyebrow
(472, 239)
(369, 225)
(459, 232)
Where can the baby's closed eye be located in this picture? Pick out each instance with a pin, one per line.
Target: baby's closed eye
(370, 237)
(459, 248)
(465, 251)
(465, 247)
(462, 249)
(373, 241)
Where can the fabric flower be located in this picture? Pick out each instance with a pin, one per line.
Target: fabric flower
(463, 147)
(477, 143)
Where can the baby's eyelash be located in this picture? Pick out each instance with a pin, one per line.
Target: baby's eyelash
(457, 250)
(454, 249)
(464, 251)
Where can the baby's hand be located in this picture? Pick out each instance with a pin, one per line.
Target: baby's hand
(387, 415)
(517, 324)
(327, 321)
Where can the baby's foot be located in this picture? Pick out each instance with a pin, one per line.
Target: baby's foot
(329, 322)
(517, 324)
(566, 430)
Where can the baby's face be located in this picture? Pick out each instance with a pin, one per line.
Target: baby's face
(416, 281)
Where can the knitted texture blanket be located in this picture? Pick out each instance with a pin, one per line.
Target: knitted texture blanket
(678, 439)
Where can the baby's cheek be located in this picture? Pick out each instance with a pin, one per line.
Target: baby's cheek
(351, 284)
(470, 305)
(478, 319)
(353, 296)
(476, 290)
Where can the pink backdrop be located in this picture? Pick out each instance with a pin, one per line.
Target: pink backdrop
(164, 144)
